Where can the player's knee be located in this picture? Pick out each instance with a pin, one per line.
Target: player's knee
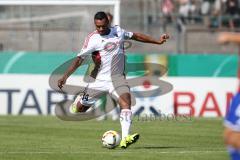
(237, 140)
(124, 104)
(226, 135)
(238, 144)
(82, 108)
(125, 101)
(232, 138)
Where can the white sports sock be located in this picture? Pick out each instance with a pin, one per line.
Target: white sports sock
(125, 121)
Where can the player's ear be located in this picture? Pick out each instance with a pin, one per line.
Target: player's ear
(107, 21)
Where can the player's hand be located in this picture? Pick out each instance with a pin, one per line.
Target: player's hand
(164, 38)
(223, 38)
(61, 82)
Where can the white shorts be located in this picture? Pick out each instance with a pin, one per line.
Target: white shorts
(97, 88)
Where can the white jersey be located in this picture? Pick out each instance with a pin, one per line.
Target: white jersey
(107, 52)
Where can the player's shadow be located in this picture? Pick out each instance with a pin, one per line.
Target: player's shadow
(157, 147)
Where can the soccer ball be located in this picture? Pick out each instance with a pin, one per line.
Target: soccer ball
(110, 139)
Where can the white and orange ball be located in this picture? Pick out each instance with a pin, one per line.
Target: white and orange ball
(111, 139)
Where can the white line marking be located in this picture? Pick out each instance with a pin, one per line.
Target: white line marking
(13, 60)
(219, 69)
(114, 151)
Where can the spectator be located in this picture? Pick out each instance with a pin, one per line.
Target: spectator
(205, 12)
(167, 10)
(232, 12)
(187, 9)
(217, 13)
(183, 9)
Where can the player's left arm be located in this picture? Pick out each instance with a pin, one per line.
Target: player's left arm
(148, 39)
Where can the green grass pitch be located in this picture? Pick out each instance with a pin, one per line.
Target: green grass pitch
(48, 138)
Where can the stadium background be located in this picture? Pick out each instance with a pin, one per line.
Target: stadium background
(36, 39)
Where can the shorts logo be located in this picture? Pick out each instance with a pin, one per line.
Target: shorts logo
(85, 97)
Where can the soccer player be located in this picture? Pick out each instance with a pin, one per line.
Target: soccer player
(115, 112)
(232, 120)
(105, 46)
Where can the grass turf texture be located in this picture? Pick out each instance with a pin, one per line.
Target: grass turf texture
(47, 138)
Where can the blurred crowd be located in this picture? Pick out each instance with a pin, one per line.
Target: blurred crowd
(211, 13)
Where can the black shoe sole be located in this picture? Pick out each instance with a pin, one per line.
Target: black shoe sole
(136, 138)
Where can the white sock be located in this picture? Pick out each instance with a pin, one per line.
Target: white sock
(125, 121)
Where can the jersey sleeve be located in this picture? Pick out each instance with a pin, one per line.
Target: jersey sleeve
(232, 119)
(127, 34)
(88, 48)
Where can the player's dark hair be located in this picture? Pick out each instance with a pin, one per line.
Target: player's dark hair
(100, 16)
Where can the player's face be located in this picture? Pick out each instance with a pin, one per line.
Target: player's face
(101, 26)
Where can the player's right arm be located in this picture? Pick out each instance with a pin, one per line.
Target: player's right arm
(88, 48)
(75, 64)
